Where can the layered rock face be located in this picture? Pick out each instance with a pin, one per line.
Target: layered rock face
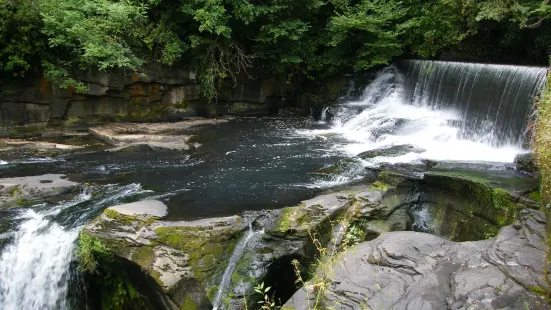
(177, 260)
(405, 270)
(157, 93)
(206, 263)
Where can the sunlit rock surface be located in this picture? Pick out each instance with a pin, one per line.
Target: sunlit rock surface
(409, 270)
(23, 191)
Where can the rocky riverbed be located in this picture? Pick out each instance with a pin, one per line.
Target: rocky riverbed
(419, 235)
(466, 237)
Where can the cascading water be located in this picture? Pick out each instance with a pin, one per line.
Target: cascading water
(35, 266)
(492, 101)
(232, 264)
(323, 117)
(449, 111)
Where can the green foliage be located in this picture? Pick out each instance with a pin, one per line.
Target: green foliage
(372, 29)
(294, 40)
(20, 37)
(267, 302)
(118, 294)
(542, 143)
(90, 250)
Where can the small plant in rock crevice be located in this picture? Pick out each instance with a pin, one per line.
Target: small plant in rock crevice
(268, 302)
(89, 248)
(327, 260)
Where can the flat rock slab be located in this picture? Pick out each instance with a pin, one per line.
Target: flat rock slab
(155, 135)
(146, 208)
(410, 270)
(14, 191)
(10, 144)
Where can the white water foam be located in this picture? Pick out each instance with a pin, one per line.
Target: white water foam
(34, 268)
(382, 120)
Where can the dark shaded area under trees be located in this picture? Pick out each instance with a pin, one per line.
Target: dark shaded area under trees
(292, 40)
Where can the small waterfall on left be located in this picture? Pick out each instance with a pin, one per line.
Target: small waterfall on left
(238, 252)
(35, 268)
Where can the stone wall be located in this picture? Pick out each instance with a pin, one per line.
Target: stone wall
(160, 93)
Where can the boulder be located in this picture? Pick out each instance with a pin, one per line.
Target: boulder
(23, 191)
(297, 222)
(410, 270)
(526, 163)
(179, 260)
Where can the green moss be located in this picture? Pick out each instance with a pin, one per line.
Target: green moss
(391, 178)
(156, 275)
(297, 221)
(143, 257)
(22, 202)
(265, 250)
(15, 191)
(189, 303)
(503, 201)
(211, 292)
(542, 142)
(284, 222)
(337, 167)
(379, 186)
(206, 247)
(120, 218)
(535, 195)
(538, 290)
(127, 219)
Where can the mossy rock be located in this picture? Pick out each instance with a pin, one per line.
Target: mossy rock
(310, 216)
(175, 257)
(339, 167)
(464, 208)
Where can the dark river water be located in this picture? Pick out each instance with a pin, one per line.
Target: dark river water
(246, 164)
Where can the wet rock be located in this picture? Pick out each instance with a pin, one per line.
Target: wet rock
(297, 222)
(185, 261)
(345, 167)
(155, 135)
(393, 151)
(288, 235)
(22, 191)
(41, 146)
(409, 270)
(179, 259)
(144, 208)
(526, 163)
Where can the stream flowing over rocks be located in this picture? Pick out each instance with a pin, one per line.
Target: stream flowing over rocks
(420, 194)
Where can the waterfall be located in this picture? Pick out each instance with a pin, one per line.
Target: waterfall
(448, 111)
(35, 269)
(323, 117)
(35, 266)
(493, 102)
(232, 264)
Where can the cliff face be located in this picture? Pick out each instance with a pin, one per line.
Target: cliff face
(161, 93)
